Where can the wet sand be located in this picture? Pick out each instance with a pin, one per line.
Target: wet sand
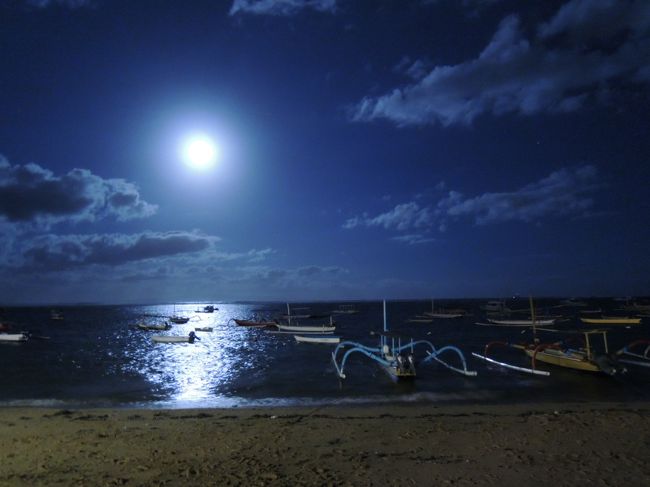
(546, 444)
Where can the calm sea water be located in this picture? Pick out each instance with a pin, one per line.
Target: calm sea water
(96, 357)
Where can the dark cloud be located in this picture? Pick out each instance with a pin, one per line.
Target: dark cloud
(587, 48)
(566, 192)
(280, 7)
(59, 252)
(32, 194)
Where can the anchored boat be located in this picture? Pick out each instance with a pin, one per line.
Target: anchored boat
(175, 338)
(317, 338)
(397, 359)
(569, 353)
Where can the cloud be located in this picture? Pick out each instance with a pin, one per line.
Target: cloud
(61, 252)
(280, 7)
(30, 194)
(404, 216)
(586, 48)
(413, 239)
(564, 193)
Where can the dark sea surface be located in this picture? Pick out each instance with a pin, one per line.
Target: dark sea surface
(96, 357)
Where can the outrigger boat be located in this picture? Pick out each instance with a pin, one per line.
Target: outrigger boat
(611, 320)
(583, 357)
(307, 328)
(522, 322)
(397, 359)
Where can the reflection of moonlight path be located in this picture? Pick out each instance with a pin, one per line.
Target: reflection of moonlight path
(198, 372)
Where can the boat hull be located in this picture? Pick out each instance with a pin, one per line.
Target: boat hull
(317, 339)
(611, 321)
(308, 329)
(13, 337)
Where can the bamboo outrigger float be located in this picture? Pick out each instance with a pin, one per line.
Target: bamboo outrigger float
(583, 357)
(390, 354)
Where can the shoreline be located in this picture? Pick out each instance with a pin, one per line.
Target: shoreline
(553, 443)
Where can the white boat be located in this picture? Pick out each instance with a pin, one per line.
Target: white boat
(307, 329)
(175, 338)
(14, 337)
(317, 338)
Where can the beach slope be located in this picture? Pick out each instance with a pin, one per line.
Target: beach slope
(548, 444)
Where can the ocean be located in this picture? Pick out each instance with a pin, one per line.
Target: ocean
(97, 357)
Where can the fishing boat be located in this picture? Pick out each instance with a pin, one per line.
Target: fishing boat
(175, 338)
(611, 320)
(346, 309)
(56, 315)
(443, 314)
(494, 306)
(317, 338)
(307, 328)
(206, 309)
(396, 359)
(203, 328)
(178, 319)
(420, 319)
(154, 326)
(563, 353)
(290, 316)
(545, 322)
(14, 337)
(254, 323)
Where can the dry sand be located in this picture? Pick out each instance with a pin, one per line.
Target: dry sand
(565, 444)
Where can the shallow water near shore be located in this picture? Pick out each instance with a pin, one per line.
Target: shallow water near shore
(96, 357)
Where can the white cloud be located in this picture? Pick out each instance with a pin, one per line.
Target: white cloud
(566, 192)
(516, 75)
(280, 7)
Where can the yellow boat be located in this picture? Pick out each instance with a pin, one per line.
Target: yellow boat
(581, 358)
(611, 320)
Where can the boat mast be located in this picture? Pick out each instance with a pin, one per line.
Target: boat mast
(288, 313)
(532, 315)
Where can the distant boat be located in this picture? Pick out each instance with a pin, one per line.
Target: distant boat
(611, 320)
(314, 338)
(442, 313)
(203, 328)
(494, 306)
(522, 322)
(207, 309)
(56, 315)
(177, 319)
(14, 337)
(420, 319)
(175, 338)
(308, 328)
(254, 323)
(345, 309)
(154, 326)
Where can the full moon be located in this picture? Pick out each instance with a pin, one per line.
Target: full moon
(199, 152)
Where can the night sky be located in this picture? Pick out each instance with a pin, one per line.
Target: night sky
(363, 149)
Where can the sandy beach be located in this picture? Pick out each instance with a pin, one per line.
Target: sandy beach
(547, 444)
